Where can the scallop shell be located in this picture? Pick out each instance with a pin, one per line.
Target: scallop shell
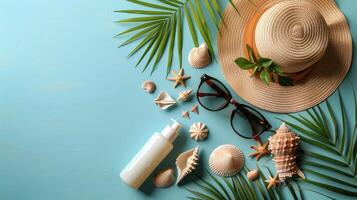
(164, 178)
(198, 131)
(186, 114)
(253, 175)
(164, 101)
(184, 95)
(186, 163)
(283, 146)
(194, 109)
(149, 86)
(199, 57)
(226, 160)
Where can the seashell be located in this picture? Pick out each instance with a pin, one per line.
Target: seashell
(198, 131)
(226, 160)
(194, 109)
(186, 163)
(199, 57)
(164, 178)
(283, 146)
(186, 114)
(253, 175)
(164, 101)
(149, 86)
(184, 95)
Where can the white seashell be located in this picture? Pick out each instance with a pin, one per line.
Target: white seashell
(184, 95)
(283, 146)
(199, 57)
(194, 109)
(186, 163)
(164, 178)
(186, 114)
(149, 86)
(198, 131)
(226, 160)
(253, 175)
(164, 101)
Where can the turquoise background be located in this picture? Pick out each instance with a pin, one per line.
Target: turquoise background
(72, 111)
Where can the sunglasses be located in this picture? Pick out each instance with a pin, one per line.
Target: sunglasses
(246, 121)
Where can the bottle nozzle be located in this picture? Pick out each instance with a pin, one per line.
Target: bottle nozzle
(171, 131)
(176, 126)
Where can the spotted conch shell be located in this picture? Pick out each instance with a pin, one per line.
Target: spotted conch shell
(186, 163)
(283, 146)
(198, 131)
(199, 57)
(164, 178)
(226, 160)
(164, 101)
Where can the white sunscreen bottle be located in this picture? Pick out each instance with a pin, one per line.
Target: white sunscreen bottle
(150, 156)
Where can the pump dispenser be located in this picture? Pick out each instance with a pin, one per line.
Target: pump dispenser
(150, 156)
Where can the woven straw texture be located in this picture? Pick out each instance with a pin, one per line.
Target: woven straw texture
(333, 61)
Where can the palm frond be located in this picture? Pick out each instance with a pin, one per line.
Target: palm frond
(334, 147)
(159, 25)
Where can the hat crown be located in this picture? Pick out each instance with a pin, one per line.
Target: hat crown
(293, 34)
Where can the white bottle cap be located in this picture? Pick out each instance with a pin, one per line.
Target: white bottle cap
(170, 132)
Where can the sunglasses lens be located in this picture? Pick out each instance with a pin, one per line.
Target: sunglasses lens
(213, 95)
(247, 122)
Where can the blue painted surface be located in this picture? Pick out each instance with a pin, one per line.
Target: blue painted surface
(72, 113)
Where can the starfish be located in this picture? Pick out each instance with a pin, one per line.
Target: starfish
(179, 78)
(273, 181)
(260, 150)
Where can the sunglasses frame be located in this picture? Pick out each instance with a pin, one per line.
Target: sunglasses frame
(265, 125)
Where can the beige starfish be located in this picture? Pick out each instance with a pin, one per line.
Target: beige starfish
(260, 150)
(179, 78)
(273, 181)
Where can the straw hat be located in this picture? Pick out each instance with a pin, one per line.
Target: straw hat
(309, 39)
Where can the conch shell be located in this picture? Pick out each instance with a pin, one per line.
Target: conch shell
(199, 57)
(164, 178)
(164, 101)
(149, 86)
(253, 175)
(283, 146)
(226, 160)
(186, 163)
(184, 95)
(198, 131)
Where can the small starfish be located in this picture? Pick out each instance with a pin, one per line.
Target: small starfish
(260, 150)
(273, 181)
(179, 78)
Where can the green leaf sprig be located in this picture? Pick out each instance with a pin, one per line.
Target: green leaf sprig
(268, 70)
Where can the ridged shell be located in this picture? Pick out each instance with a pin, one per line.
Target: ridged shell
(164, 178)
(164, 101)
(149, 86)
(253, 175)
(198, 131)
(199, 57)
(184, 95)
(186, 163)
(226, 160)
(283, 146)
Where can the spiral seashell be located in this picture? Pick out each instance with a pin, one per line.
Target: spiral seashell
(253, 175)
(149, 86)
(164, 178)
(198, 131)
(186, 163)
(199, 57)
(184, 95)
(164, 101)
(226, 160)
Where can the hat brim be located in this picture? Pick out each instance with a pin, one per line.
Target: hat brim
(319, 84)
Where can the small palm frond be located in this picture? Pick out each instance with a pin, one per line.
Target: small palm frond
(334, 149)
(160, 26)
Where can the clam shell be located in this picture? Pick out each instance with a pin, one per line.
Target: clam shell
(186, 163)
(149, 86)
(199, 57)
(164, 178)
(226, 160)
(253, 175)
(164, 101)
(198, 131)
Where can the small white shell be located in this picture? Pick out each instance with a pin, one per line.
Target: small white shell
(226, 160)
(198, 131)
(149, 86)
(164, 101)
(186, 163)
(186, 114)
(184, 95)
(253, 175)
(194, 109)
(164, 178)
(199, 57)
